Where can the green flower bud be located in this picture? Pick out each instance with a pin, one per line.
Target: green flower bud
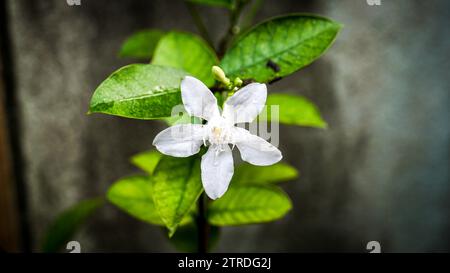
(220, 75)
(238, 82)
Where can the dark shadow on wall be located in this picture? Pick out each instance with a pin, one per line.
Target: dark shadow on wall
(15, 231)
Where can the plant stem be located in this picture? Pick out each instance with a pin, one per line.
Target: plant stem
(234, 18)
(199, 23)
(248, 20)
(202, 225)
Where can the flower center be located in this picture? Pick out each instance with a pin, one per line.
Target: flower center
(219, 132)
(216, 131)
(219, 135)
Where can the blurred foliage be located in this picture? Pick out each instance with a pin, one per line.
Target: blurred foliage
(64, 227)
(142, 44)
(295, 110)
(188, 52)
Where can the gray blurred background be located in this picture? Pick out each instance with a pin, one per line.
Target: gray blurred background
(380, 172)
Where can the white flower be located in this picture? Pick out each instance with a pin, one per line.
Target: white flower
(217, 163)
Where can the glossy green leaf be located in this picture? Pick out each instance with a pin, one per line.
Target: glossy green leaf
(141, 91)
(251, 174)
(186, 238)
(142, 44)
(176, 187)
(146, 161)
(63, 228)
(249, 204)
(295, 110)
(183, 119)
(133, 195)
(215, 3)
(188, 52)
(279, 47)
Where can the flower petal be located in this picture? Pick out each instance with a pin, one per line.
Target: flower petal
(246, 104)
(254, 149)
(217, 171)
(181, 140)
(198, 100)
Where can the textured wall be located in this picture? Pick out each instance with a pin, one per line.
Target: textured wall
(379, 173)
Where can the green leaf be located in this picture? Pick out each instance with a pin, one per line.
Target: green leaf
(67, 223)
(249, 204)
(134, 196)
(295, 110)
(188, 52)
(251, 174)
(229, 4)
(141, 44)
(146, 161)
(140, 91)
(176, 187)
(184, 119)
(279, 47)
(186, 238)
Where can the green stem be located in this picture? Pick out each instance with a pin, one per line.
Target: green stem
(199, 23)
(202, 225)
(251, 14)
(234, 18)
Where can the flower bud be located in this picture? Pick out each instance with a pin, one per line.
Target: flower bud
(220, 75)
(238, 82)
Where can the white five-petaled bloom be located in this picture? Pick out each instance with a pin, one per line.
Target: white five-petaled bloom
(217, 163)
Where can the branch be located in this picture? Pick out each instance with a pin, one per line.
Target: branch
(234, 18)
(199, 23)
(251, 14)
(202, 225)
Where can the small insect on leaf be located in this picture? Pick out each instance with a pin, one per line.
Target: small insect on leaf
(272, 65)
